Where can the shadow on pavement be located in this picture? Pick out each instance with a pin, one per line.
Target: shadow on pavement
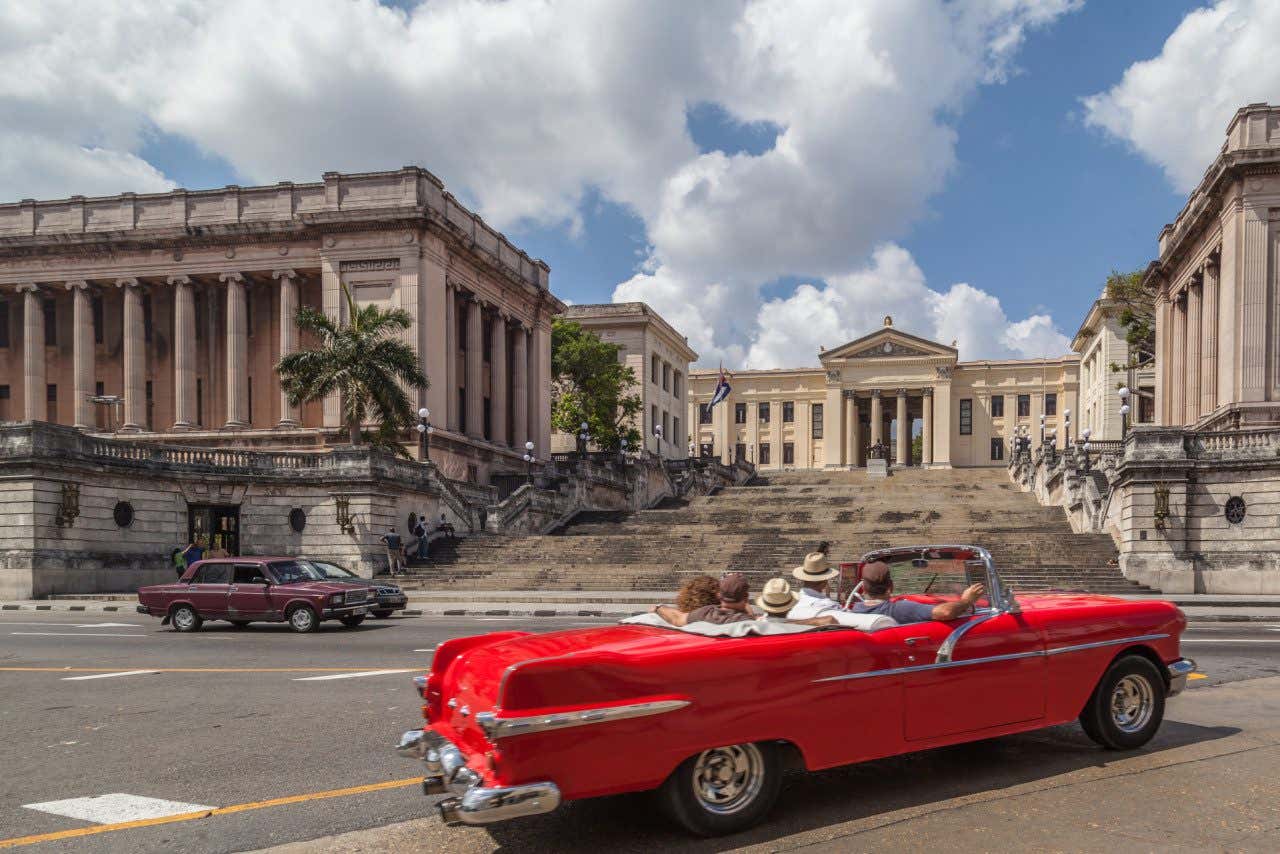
(812, 801)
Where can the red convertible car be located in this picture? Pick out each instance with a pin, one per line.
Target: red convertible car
(710, 715)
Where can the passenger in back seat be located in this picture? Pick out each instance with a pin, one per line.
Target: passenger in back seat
(731, 607)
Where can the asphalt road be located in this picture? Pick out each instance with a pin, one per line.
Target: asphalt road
(278, 733)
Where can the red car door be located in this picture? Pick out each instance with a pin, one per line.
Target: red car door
(208, 589)
(248, 597)
(993, 676)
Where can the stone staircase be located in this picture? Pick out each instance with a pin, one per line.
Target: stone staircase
(766, 528)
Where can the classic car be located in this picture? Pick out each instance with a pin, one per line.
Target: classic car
(389, 598)
(710, 715)
(245, 590)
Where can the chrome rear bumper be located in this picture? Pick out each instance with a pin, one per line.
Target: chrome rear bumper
(472, 803)
(1178, 672)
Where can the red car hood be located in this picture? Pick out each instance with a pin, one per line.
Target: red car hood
(316, 587)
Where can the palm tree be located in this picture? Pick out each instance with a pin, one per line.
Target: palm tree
(362, 361)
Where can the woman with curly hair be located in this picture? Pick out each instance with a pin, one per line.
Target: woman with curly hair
(696, 592)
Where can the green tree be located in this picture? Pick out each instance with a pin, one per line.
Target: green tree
(363, 361)
(1137, 300)
(590, 384)
(917, 449)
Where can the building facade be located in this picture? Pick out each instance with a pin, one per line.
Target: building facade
(885, 388)
(1218, 360)
(1100, 341)
(163, 315)
(660, 357)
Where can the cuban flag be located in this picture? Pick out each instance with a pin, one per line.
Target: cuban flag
(722, 389)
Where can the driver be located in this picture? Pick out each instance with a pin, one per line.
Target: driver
(877, 587)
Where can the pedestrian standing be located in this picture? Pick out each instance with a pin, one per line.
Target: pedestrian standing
(392, 541)
(179, 562)
(420, 531)
(193, 552)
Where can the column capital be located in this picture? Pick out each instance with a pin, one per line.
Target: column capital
(902, 392)
(28, 288)
(127, 283)
(77, 285)
(927, 391)
(875, 392)
(231, 276)
(284, 275)
(178, 280)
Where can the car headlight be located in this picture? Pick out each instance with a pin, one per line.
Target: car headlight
(337, 598)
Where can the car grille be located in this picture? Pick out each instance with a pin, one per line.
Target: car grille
(356, 597)
(388, 591)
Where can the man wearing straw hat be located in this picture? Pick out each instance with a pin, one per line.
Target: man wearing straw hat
(814, 575)
(776, 601)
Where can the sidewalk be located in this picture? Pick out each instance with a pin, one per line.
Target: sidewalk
(616, 604)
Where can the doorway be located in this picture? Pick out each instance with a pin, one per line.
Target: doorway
(218, 525)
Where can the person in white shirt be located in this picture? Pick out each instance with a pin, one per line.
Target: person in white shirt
(814, 576)
(778, 599)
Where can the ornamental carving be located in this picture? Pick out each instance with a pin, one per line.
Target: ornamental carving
(833, 375)
(369, 265)
(889, 348)
(944, 372)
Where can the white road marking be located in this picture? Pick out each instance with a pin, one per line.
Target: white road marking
(428, 649)
(108, 675)
(109, 626)
(350, 675)
(1231, 640)
(116, 807)
(75, 635)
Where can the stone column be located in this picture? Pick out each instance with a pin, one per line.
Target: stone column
(520, 389)
(475, 369)
(1162, 359)
(184, 353)
(926, 435)
(135, 358)
(289, 414)
(451, 356)
(904, 430)
(833, 427)
(1176, 376)
(498, 382)
(237, 352)
(82, 353)
(942, 417)
(850, 404)
(877, 418)
(540, 393)
(33, 363)
(1254, 290)
(1208, 341)
(1192, 376)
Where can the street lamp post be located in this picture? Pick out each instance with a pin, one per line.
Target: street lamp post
(1041, 428)
(1085, 434)
(528, 461)
(1066, 415)
(1124, 411)
(583, 438)
(425, 429)
(657, 440)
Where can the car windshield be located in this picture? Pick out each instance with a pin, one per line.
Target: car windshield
(942, 571)
(332, 570)
(296, 571)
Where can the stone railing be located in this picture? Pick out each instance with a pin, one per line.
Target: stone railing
(1249, 443)
(528, 510)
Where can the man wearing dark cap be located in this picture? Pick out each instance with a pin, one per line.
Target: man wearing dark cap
(733, 607)
(877, 587)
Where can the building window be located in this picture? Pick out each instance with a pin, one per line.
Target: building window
(653, 369)
(788, 453)
(675, 385)
(788, 412)
(1024, 405)
(151, 404)
(99, 389)
(51, 403)
(50, 323)
(997, 449)
(739, 413)
(486, 339)
(4, 322)
(248, 388)
(675, 430)
(488, 420)
(997, 406)
(462, 411)
(739, 452)
(817, 420)
(764, 453)
(704, 413)
(666, 377)
(653, 417)
(1146, 408)
(1050, 404)
(764, 412)
(97, 319)
(666, 426)
(966, 417)
(4, 403)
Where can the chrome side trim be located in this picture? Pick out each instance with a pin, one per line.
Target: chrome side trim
(949, 645)
(940, 665)
(485, 806)
(495, 727)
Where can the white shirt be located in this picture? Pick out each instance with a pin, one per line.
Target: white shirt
(811, 604)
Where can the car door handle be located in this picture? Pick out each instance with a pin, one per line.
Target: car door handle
(913, 641)
(232, 589)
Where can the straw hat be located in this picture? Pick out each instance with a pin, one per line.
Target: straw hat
(777, 597)
(815, 569)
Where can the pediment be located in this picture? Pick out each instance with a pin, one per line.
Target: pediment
(889, 343)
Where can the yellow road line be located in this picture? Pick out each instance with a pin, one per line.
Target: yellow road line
(18, 841)
(1197, 676)
(351, 668)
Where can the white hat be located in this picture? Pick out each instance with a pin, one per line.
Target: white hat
(815, 569)
(777, 598)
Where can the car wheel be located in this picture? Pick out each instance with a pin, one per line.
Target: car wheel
(185, 619)
(239, 624)
(352, 622)
(382, 615)
(723, 790)
(1127, 706)
(303, 619)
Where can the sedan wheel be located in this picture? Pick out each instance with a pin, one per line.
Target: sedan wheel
(1127, 706)
(723, 790)
(303, 619)
(185, 619)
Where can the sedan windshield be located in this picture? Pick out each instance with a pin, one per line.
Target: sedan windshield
(295, 571)
(332, 570)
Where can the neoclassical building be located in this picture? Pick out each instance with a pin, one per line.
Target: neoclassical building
(163, 315)
(659, 356)
(1100, 341)
(886, 387)
(1217, 360)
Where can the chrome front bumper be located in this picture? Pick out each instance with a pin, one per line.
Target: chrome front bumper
(1178, 673)
(472, 803)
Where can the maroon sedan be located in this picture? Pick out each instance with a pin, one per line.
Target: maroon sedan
(245, 590)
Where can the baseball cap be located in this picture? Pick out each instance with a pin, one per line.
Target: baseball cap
(733, 587)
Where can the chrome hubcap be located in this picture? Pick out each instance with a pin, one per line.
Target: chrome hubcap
(1132, 703)
(302, 618)
(184, 618)
(727, 779)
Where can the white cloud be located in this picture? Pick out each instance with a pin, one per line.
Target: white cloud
(1174, 108)
(526, 107)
